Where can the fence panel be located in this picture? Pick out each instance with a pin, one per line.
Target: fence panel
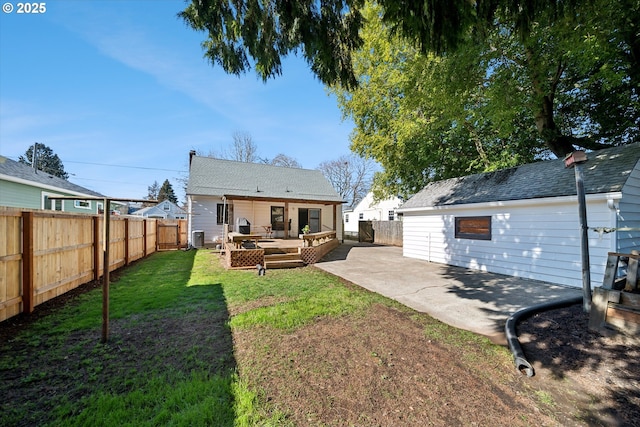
(44, 254)
(10, 264)
(62, 254)
(136, 239)
(387, 232)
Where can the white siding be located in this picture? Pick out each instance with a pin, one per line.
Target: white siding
(202, 217)
(537, 241)
(258, 213)
(629, 214)
(370, 210)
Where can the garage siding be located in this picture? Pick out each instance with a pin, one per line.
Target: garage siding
(629, 214)
(540, 241)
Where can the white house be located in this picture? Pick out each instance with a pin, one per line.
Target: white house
(371, 210)
(165, 210)
(275, 201)
(524, 221)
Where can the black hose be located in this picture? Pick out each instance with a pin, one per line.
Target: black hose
(510, 329)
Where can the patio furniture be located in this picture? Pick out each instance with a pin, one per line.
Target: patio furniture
(238, 238)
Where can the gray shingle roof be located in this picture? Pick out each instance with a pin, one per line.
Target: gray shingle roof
(216, 177)
(38, 178)
(605, 171)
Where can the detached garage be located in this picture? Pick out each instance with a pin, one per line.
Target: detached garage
(524, 221)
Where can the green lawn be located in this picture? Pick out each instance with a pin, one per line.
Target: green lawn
(169, 359)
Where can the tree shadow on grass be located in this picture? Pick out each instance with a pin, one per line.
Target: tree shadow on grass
(560, 341)
(171, 364)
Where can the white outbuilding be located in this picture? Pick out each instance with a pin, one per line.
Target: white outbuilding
(524, 221)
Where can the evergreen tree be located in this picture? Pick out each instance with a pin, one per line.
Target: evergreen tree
(45, 160)
(166, 192)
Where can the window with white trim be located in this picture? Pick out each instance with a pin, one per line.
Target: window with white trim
(82, 204)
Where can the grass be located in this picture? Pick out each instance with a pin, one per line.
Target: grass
(116, 390)
(169, 359)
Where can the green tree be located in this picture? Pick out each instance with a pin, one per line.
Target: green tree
(45, 160)
(512, 79)
(243, 33)
(492, 104)
(166, 192)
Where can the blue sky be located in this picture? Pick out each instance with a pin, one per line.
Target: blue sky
(120, 90)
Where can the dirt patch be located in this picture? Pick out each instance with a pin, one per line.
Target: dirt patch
(592, 377)
(377, 369)
(380, 370)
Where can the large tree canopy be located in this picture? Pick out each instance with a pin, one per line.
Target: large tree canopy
(495, 102)
(448, 87)
(326, 32)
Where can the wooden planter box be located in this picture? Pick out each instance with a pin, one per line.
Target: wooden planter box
(616, 305)
(615, 310)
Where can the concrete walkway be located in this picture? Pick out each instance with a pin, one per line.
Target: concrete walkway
(467, 299)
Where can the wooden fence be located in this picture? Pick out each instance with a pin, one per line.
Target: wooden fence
(380, 232)
(387, 232)
(44, 254)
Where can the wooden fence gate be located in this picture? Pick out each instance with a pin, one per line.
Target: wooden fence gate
(169, 234)
(365, 231)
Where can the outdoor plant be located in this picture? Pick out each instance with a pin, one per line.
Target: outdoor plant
(306, 229)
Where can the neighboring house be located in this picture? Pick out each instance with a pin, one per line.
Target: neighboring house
(21, 186)
(524, 221)
(164, 210)
(276, 201)
(370, 210)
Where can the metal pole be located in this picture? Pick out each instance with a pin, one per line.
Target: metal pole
(105, 266)
(584, 240)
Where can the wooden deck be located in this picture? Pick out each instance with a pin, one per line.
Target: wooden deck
(248, 251)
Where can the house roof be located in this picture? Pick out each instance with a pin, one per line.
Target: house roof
(241, 180)
(157, 210)
(19, 172)
(605, 171)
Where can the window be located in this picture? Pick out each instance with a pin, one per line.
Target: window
(277, 218)
(392, 215)
(361, 216)
(82, 204)
(222, 213)
(52, 204)
(346, 218)
(473, 227)
(166, 207)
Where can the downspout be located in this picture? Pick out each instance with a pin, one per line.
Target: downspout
(521, 362)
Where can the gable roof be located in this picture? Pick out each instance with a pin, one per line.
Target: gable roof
(158, 210)
(241, 180)
(19, 172)
(605, 171)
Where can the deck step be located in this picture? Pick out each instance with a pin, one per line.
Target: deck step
(289, 260)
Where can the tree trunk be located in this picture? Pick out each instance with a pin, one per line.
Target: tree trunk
(559, 144)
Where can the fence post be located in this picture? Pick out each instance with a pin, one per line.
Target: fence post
(97, 250)
(126, 241)
(144, 237)
(27, 263)
(157, 235)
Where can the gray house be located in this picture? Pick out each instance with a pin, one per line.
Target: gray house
(164, 210)
(524, 221)
(21, 186)
(263, 199)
